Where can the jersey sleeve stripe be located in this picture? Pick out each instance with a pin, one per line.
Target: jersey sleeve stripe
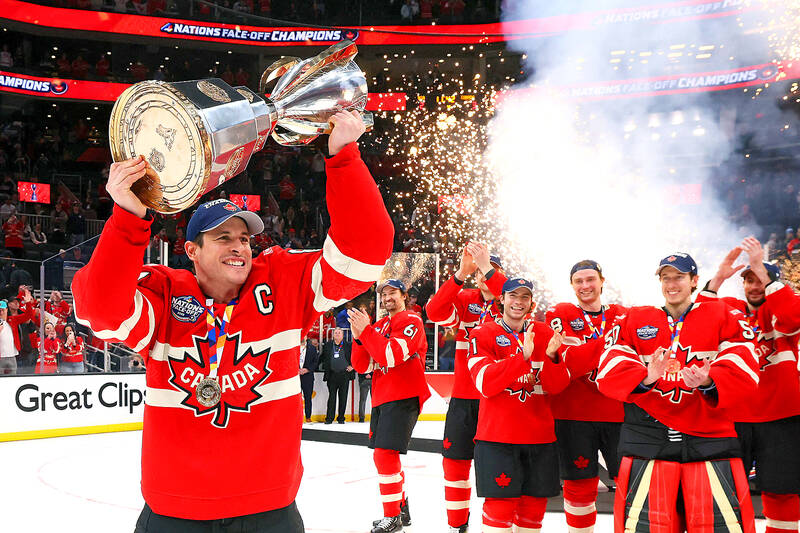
(472, 361)
(614, 362)
(772, 288)
(572, 341)
(321, 303)
(616, 347)
(726, 345)
(462, 345)
(347, 266)
(389, 355)
(738, 361)
(404, 347)
(450, 321)
(479, 378)
(124, 330)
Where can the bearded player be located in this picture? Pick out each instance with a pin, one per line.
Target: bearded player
(516, 368)
(769, 425)
(587, 421)
(683, 369)
(394, 350)
(222, 346)
(455, 306)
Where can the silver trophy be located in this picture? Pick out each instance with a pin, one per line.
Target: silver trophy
(196, 135)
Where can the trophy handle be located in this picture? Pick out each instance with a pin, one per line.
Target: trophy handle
(276, 70)
(343, 51)
(290, 138)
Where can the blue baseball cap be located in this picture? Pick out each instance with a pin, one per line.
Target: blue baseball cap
(773, 271)
(396, 283)
(214, 213)
(495, 260)
(515, 283)
(3, 304)
(679, 261)
(585, 264)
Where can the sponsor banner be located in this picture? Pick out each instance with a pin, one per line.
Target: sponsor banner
(50, 405)
(138, 25)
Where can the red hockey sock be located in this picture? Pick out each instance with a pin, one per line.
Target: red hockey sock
(579, 504)
(498, 514)
(390, 479)
(529, 514)
(782, 512)
(457, 490)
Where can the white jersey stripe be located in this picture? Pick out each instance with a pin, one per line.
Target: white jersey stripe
(738, 361)
(321, 303)
(284, 340)
(479, 379)
(123, 331)
(347, 266)
(614, 362)
(472, 361)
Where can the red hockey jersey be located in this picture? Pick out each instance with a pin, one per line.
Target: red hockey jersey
(394, 350)
(515, 406)
(581, 400)
(73, 353)
(710, 331)
(241, 456)
(455, 307)
(776, 324)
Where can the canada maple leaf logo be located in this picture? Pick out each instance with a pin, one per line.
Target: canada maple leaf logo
(581, 462)
(250, 369)
(503, 480)
(447, 443)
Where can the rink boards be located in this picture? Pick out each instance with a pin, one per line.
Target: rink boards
(41, 406)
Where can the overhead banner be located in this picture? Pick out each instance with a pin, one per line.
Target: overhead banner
(173, 28)
(99, 91)
(36, 406)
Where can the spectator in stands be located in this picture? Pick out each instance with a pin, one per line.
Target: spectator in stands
(59, 308)
(80, 68)
(7, 187)
(791, 246)
(103, 66)
(309, 360)
(9, 334)
(341, 317)
(138, 70)
(788, 237)
(64, 65)
(242, 77)
(409, 10)
(27, 231)
(18, 278)
(76, 226)
(136, 363)
(6, 59)
(179, 257)
(227, 75)
(287, 188)
(59, 222)
(49, 350)
(13, 229)
(771, 247)
(335, 361)
(140, 6)
(8, 208)
(72, 352)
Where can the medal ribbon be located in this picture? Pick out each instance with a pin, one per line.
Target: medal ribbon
(752, 319)
(676, 333)
(596, 334)
(485, 309)
(512, 332)
(217, 337)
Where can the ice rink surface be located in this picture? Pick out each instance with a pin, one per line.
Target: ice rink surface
(90, 484)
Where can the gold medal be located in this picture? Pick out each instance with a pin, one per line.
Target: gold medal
(672, 367)
(208, 392)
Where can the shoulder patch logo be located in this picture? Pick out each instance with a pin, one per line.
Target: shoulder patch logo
(647, 332)
(186, 309)
(475, 309)
(502, 340)
(577, 324)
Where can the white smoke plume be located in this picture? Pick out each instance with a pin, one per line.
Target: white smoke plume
(601, 180)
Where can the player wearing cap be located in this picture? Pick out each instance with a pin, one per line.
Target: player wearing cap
(454, 306)
(515, 369)
(769, 425)
(683, 369)
(587, 421)
(223, 415)
(394, 350)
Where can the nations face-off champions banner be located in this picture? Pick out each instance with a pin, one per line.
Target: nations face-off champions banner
(173, 28)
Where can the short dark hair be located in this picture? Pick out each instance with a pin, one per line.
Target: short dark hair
(199, 239)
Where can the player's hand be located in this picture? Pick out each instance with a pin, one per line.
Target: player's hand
(726, 269)
(527, 343)
(697, 376)
(555, 343)
(120, 179)
(657, 366)
(347, 128)
(467, 266)
(756, 254)
(303, 371)
(27, 297)
(480, 253)
(359, 320)
(349, 368)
